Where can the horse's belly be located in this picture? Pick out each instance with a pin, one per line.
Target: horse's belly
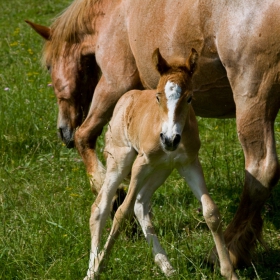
(214, 103)
(213, 97)
(175, 36)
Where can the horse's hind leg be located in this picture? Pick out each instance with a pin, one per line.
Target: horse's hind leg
(255, 116)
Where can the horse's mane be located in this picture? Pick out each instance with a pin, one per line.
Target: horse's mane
(71, 25)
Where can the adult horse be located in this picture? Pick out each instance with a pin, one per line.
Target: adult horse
(239, 74)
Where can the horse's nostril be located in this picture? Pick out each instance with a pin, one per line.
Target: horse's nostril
(60, 133)
(67, 136)
(176, 139)
(162, 137)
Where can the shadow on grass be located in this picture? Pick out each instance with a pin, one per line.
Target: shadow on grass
(272, 209)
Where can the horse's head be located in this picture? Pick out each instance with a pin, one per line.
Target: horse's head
(174, 95)
(74, 75)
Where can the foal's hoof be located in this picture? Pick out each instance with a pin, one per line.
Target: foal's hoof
(92, 277)
(162, 261)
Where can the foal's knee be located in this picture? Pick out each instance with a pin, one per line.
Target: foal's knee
(212, 217)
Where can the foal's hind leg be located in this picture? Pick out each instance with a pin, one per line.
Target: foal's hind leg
(194, 177)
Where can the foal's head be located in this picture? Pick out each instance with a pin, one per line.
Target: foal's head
(174, 96)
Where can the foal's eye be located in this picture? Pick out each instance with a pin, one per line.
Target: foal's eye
(157, 99)
(189, 100)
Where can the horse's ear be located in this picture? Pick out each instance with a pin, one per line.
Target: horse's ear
(44, 31)
(159, 62)
(191, 62)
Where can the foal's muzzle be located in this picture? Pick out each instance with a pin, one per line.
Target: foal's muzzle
(170, 144)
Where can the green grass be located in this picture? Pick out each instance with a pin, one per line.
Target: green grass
(45, 197)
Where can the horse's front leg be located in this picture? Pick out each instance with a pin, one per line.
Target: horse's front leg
(106, 95)
(194, 177)
(255, 116)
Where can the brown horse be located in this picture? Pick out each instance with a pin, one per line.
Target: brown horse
(151, 133)
(239, 75)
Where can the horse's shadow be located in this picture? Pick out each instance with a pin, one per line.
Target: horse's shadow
(267, 260)
(271, 211)
(266, 265)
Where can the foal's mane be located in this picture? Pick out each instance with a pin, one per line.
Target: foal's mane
(71, 26)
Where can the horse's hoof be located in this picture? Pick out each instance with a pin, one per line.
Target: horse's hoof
(212, 259)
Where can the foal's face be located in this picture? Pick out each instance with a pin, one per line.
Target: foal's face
(174, 97)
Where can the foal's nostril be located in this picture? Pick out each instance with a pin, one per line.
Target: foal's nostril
(176, 140)
(162, 137)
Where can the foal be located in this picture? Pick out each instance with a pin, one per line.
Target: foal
(151, 133)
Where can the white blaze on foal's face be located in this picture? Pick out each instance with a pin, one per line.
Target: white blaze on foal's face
(173, 94)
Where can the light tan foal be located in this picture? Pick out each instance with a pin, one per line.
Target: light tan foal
(151, 133)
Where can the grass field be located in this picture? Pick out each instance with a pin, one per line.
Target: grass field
(45, 197)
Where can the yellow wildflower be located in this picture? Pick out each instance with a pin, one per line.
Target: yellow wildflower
(14, 44)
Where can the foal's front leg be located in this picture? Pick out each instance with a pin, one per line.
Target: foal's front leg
(194, 177)
(119, 163)
(142, 212)
(140, 171)
(144, 181)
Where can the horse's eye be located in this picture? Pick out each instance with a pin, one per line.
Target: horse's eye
(48, 67)
(189, 100)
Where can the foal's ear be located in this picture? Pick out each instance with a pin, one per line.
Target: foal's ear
(191, 62)
(44, 31)
(159, 62)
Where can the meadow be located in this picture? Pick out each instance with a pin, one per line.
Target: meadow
(45, 195)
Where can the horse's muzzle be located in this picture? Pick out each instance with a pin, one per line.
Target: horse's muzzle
(170, 144)
(67, 136)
